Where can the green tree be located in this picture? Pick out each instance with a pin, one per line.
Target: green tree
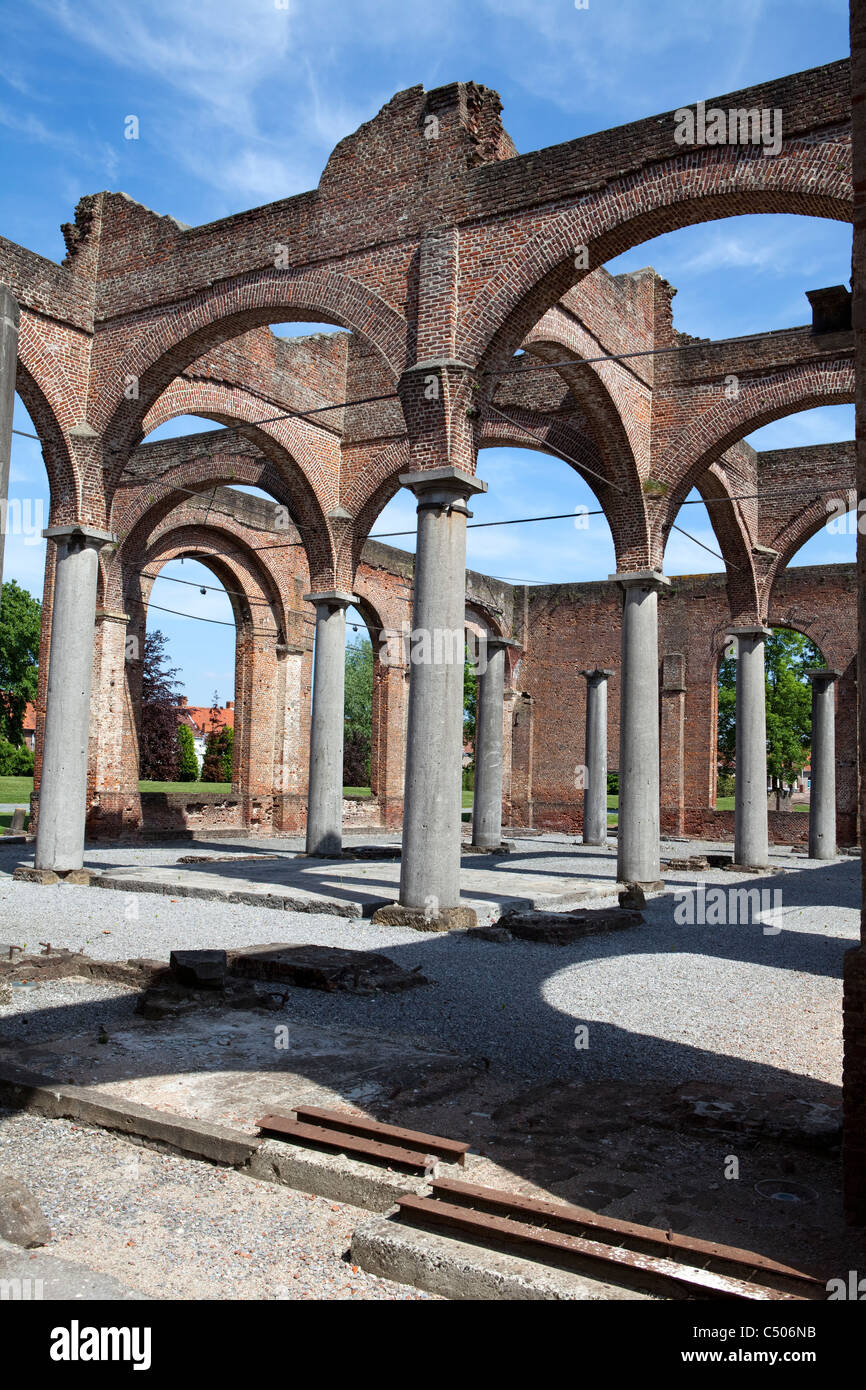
(212, 768)
(358, 713)
(20, 626)
(158, 751)
(187, 767)
(470, 700)
(226, 745)
(787, 656)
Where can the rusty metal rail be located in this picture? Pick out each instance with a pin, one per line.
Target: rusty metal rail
(347, 1132)
(659, 1261)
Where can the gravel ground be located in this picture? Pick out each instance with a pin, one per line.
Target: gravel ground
(661, 1000)
(170, 1227)
(73, 1005)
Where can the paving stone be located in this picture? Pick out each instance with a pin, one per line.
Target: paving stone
(21, 1219)
(199, 969)
(324, 967)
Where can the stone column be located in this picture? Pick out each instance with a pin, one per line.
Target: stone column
(487, 798)
(63, 787)
(751, 838)
(8, 366)
(638, 829)
(430, 868)
(822, 795)
(595, 773)
(325, 796)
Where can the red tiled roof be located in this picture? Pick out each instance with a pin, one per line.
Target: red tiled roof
(203, 719)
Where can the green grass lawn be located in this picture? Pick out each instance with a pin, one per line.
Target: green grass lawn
(188, 788)
(15, 788)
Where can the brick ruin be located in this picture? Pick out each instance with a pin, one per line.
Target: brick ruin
(456, 268)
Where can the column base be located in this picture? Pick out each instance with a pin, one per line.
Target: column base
(46, 878)
(504, 847)
(633, 894)
(446, 919)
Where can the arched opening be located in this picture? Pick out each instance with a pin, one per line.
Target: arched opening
(26, 587)
(359, 771)
(788, 655)
(190, 610)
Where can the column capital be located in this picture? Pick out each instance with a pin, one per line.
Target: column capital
(110, 615)
(448, 481)
(752, 630)
(597, 673)
(647, 578)
(79, 529)
(435, 364)
(822, 673)
(332, 598)
(492, 639)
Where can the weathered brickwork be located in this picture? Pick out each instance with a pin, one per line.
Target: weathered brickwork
(440, 252)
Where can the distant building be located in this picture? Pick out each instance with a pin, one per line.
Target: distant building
(203, 720)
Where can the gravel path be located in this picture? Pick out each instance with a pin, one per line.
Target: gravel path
(661, 1000)
(170, 1227)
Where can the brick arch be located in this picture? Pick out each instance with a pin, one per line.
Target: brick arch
(151, 502)
(806, 524)
(234, 405)
(835, 652)
(48, 398)
(731, 532)
(624, 512)
(760, 401)
(367, 493)
(811, 177)
(600, 392)
(485, 617)
(241, 567)
(154, 348)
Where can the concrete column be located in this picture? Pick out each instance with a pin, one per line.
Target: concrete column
(8, 367)
(595, 773)
(822, 795)
(638, 829)
(751, 838)
(430, 868)
(63, 787)
(487, 798)
(325, 795)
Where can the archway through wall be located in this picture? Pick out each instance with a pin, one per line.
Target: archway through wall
(26, 590)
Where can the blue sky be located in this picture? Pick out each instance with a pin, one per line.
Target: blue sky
(241, 103)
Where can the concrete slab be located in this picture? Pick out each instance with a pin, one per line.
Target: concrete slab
(229, 1067)
(32, 1275)
(455, 1269)
(332, 1175)
(350, 888)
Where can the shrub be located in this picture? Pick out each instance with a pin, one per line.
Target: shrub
(187, 767)
(15, 762)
